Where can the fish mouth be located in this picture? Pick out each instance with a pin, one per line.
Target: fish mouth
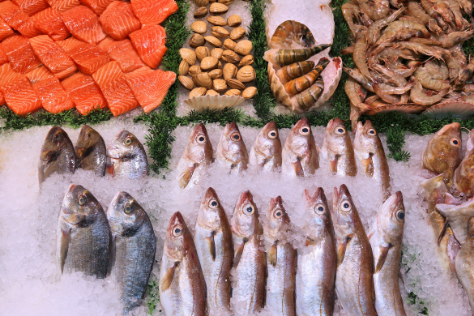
(337, 121)
(276, 202)
(447, 128)
(398, 197)
(303, 122)
(200, 128)
(245, 196)
(270, 125)
(210, 193)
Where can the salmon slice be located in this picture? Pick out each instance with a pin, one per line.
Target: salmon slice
(5, 30)
(83, 24)
(150, 86)
(118, 20)
(98, 6)
(29, 29)
(50, 22)
(151, 12)
(63, 5)
(2, 99)
(31, 7)
(123, 53)
(20, 54)
(53, 56)
(149, 43)
(3, 56)
(17, 91)
(113, 84)
(39, 74)
(17, 19)
(53, 96)
(88, 57)
(84, 92)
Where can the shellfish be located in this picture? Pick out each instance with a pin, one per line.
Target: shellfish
(290, 32)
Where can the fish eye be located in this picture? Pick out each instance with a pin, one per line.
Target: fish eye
(455, 142)
(304, 130)
(340, 130)
(372, 132)
(400, 215)
(249, 210)
(201, 139)
(278, 214)
(272, 134)
(320, 209)
(178, 231)
(128, 208)
(346, 206)
(128, 141)
(213, 204)
(82, 199)
(235, 137)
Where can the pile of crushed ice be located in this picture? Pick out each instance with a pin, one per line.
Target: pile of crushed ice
(29, 283)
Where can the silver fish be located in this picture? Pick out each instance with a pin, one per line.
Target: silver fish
(127, 156)
(265, 154)
(316, 273)
(464, 264)
(134, 247)
(281, 261)
(182, 285)
(337, 149)
(213, 240)
(386, 241)
(197, 155)
(231, 150)
(354, 276)
(57, 154)
(248, 282)
(457, 217)
(300, 154)
(90, 151)
(83, 234)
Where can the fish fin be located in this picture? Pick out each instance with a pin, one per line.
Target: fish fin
(298, 168)
(341, 249)
(65, 238)
(238, 253)
(168, 278)
(383, 256)
(186, 175)
(212, 246)
(310, 242)
(452, 251)
(333, 164)
(368, 165)
(443, 232)
(50, 155)
(272, 254)
(109, 169)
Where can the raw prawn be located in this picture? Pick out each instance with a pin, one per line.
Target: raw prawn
(378, 11)
(418, 96)
(300, 84)
(294, 71)
(466, 74)
(360, 50)
(373, 32)
(428, 82)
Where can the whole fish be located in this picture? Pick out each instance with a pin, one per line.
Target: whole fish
(197, 155)
(464, 175)
(300, 154)
(213, 240)
(316, 273)
(231, 150)
(281, 261)
(134, 247)
(442, 155)
(354, 276)
(90, 151)
(248, 284)
(83, 234)
(457, 217)
(464, 264)
(370, 153)
(265, 153)
(337, 149)
(127, 156)
(182, 285)
(57, 154)
(386, 240)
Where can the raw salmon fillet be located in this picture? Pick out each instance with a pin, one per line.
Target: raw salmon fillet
(98, 6)
(39, 74)
(118, 20)
(29, 29)
(150, 44)
(150, 86)
(17, 91)
(63, 5)
(83, 24)
(113, 84)
(88, 57)
(17, 19)
(20, 54)
(5, 30)
(50, 22)
(151, 12)
(2, 99)
(31, 7)
(123, 53)
(53, 56)
(84, 92)
(53, 96)
(3, 56)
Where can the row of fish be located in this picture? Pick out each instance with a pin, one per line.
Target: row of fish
(450, 202)
(240, 266)
(120, 242)
(299, 156)
(125, 157)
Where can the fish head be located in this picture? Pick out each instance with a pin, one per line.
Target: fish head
(210, 210)
(343, 211)
(318, 210)
(177, 237)
(443, 151)
(268, 140)
(278, 221)
(88, 139)
(79, 206)
(124, 145)
(336, 133)
(245, 220)
(391, 219)
(125, 215)
(366, 139)
(199, 143)
(56, 140)
(300, 136)
(232, 143)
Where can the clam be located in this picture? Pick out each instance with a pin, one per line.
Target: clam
(213, 101)
(249, 92)
(229, 44)
(202, 52)
(188, 55)
(212, 92)
(237, 33)
(233, 92)
(186, 81)
(183, 68)
(246, 74)
(199, 27)
(197, 92)
(243, 47)
(234, 20)
(219, 31)
(226, 2)
(219, 85)
(201, 3)
(246, 60)
(196, 40)
(215, 74)
(235, 84)
(203, 80)
(200, 12)
(217, 20)
(217, 52)
(219, 65)
(213, 41)
(218, 8)
(209, 63)
(194, 70)
(229, 71)
(230, 57)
